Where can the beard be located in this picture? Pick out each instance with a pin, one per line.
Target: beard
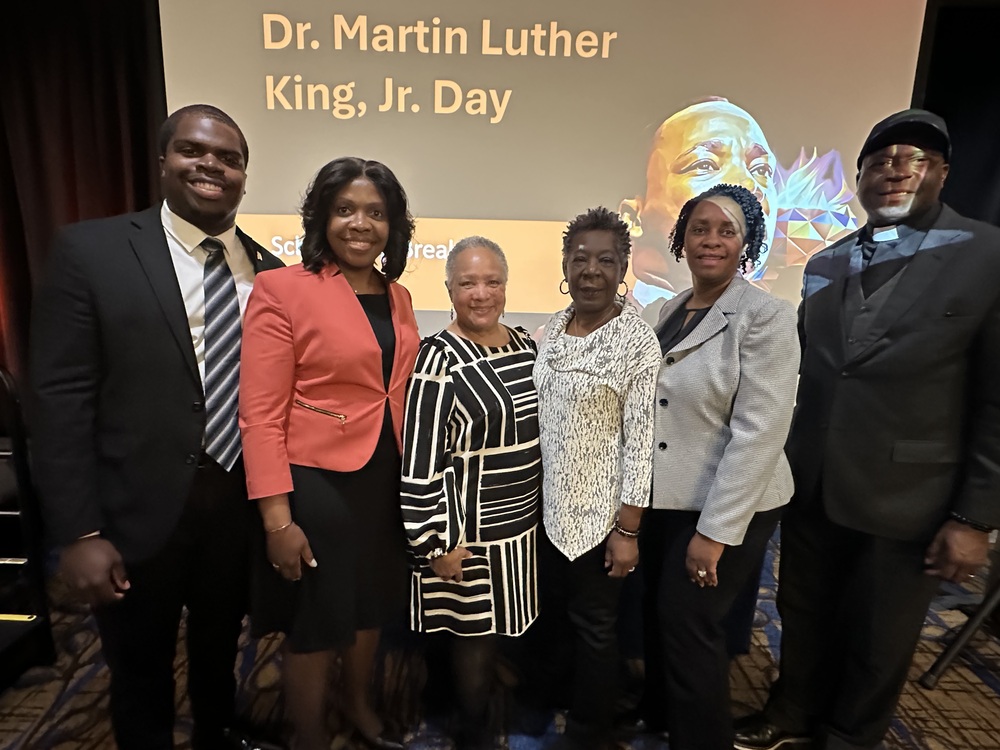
(884, 215)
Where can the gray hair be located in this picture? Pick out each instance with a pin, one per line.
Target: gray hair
(467, 243)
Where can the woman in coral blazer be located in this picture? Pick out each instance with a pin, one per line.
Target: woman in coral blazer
(328, 347)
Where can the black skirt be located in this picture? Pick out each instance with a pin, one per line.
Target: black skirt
(354, 526)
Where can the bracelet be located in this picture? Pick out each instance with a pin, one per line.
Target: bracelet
(280, 528)
(625, 532)
(972, 524)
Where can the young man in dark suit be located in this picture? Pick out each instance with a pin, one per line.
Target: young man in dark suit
(894, 448)
(135, 371)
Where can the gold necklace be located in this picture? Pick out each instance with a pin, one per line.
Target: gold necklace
(358, 291)
(608, 316)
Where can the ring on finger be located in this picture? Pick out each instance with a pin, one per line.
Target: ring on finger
(702, 573)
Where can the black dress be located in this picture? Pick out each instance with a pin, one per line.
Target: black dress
(355, 529)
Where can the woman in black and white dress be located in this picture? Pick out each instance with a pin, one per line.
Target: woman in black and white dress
(471, 476)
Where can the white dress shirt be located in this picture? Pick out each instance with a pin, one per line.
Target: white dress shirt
(188, 257)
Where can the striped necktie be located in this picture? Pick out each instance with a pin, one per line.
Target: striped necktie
(222, 357)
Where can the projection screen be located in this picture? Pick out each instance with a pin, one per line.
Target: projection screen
(506, 119)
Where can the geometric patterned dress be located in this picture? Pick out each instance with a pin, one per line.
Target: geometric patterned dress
(471, 477)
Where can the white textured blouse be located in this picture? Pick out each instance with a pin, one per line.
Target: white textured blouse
(595, 418)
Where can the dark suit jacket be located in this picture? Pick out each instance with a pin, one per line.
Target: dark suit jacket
(908, 429)
(118, 412)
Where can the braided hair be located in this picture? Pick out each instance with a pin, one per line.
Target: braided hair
(753, 214)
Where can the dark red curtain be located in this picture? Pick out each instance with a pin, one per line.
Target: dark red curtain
(82, 98)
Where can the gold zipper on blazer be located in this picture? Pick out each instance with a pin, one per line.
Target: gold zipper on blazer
(341, 417)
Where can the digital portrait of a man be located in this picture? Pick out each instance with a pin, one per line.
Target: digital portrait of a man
(713, 142)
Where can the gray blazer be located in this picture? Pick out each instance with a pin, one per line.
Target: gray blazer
(724, 400)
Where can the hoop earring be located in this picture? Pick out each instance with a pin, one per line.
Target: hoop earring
(623, 294)
(561, 289)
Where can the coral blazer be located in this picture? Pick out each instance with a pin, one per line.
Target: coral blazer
(311, 386)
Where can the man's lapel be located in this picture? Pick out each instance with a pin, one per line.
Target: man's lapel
(927, 266)
(261, 258)
(824, 287)
(149, 243)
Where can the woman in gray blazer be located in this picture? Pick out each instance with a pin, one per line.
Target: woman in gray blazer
(724, 399)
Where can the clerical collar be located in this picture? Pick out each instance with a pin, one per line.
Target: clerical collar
(882, 234)
(899, 231)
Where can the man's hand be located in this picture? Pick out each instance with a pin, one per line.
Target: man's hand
(957, 552)
(449, 566)
(621, 555)
(703, 556)
(93, 569)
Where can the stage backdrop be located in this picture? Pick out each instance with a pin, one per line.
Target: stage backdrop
(508, 118)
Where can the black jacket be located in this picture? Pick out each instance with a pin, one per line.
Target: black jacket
(908, 429)
(118, 407)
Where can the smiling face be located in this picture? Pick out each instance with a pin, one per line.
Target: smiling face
(203, 173)
(713, 244)
(901, 182)
(478, 290)
(358, 227)
(593, 268)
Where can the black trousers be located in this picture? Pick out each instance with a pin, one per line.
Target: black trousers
(852, 606)
(204, 566)
(579, 615)
(687, 654)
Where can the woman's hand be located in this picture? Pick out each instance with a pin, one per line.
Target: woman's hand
(287, 549)
(449, 566)
(702, 558)
(287, 545)
(621, 555)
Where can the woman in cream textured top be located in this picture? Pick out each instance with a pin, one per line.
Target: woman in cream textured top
(596, 379)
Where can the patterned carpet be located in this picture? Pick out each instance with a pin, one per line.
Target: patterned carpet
(65, 707)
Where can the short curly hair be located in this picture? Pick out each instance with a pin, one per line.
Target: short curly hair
(753, 214)
(600, 219)
(318, 203)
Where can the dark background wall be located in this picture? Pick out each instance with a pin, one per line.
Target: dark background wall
(957, 77)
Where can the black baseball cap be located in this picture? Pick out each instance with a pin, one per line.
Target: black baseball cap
(914, 127)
